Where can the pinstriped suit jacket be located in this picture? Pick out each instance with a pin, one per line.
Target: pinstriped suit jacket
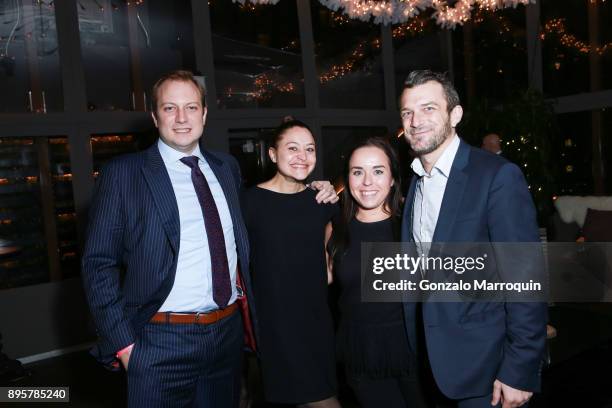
(130, 256)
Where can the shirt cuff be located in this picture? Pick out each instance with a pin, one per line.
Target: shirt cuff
(125, 350)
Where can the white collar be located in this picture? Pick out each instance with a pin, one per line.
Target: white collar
(444, 162)
(171, 155)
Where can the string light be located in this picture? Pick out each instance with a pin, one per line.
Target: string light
(255, 2)
(413, 27)
(401, 11)
(449, 17)
(557, 27)
(340, 19)
(247, 6)
(385, 12)
(266, 86)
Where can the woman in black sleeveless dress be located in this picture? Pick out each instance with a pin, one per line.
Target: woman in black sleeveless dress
(371, 341)
(287, 236)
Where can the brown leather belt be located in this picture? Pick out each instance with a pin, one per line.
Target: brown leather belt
(194, 318)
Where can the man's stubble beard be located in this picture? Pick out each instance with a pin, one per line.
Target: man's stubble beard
(437, 139)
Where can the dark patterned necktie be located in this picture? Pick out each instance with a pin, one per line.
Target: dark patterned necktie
(222, 289)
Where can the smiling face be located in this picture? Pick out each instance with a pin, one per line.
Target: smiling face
(370, 180)
(179, 115)
(295, 153)
(425, 117)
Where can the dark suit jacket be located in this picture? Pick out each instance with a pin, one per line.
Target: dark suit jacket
(130, 256)
(471, 344)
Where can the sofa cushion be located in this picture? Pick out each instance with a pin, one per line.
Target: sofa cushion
(597, 226)
(574, 208)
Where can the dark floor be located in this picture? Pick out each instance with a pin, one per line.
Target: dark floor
(580, 374)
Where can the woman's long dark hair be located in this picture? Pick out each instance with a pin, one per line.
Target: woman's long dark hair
(340, 238)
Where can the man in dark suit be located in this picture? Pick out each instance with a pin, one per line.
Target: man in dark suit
(481, 353)
(169, 220)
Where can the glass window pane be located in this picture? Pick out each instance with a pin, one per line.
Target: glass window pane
(567, 48)
(348, 58)
(126, 46)
(337, 141)
(29, 58)
(605, 40)
(165, 42)
(257, 55)
(61, 174)
(250, 148)
(416, 45)
(565, 68)
(498, 47)
(606, 130)
(37, 219)
(574, 149)
(106, 146)
(106, 55)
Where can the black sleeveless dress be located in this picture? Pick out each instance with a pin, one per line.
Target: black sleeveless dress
(296, 344)
(372, 339)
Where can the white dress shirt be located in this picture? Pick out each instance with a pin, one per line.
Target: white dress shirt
(192, 288)
(429, 193)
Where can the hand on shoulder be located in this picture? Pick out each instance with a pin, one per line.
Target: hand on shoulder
(326, 193)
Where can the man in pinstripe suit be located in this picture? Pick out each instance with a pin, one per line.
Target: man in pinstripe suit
(178, 344)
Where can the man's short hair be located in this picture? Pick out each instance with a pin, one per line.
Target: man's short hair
(178, 75)
(421, 76)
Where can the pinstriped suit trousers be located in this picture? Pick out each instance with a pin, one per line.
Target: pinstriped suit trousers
(186, 365)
